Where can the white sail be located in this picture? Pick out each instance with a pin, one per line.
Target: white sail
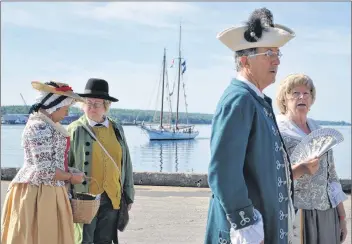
(169, 131)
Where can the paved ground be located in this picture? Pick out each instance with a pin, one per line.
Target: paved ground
(170, 215)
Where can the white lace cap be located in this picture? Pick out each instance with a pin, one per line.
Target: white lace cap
(67, 101)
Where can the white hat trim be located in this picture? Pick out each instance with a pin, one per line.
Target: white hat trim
(276, 36)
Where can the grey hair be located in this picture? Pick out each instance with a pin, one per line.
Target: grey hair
(107, 105)
(286, 86)
(242, 53)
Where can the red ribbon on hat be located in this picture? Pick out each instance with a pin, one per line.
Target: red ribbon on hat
(64, 88)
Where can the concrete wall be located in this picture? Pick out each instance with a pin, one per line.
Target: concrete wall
(164, 179)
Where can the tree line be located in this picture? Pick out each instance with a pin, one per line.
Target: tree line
(127, 115)
(148, 116)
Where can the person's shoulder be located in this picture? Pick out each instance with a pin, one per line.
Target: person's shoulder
(236, 95)
(76, 124)
(281, 120)
(116, 124)
(284, 125)
(37, 127)
(235, 102)
(314, 123)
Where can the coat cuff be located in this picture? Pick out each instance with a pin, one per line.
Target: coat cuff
(242, 218)
(336, 194)
(253, 234)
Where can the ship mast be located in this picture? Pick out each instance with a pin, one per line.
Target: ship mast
(162, 91)
(179, 78)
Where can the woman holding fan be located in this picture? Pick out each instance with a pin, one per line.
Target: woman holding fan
(318, 195)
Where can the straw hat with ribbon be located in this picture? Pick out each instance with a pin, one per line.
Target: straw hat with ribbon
(63, 89)
(53, 95)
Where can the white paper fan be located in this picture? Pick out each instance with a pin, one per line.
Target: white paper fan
(316, 143)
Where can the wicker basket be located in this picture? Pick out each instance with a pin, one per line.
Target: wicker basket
(84, 206)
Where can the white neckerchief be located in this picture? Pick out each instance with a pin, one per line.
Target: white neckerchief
(291, 129)
(92, 123)
(251, 85)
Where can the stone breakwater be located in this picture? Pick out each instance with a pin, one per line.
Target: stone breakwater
(165, 179)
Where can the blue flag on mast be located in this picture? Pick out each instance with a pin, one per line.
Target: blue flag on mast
(183, 66)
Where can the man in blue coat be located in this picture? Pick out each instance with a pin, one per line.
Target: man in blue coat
(249, 172)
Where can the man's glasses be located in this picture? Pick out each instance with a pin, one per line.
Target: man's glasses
(269, 53)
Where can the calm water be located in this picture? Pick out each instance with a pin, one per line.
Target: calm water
(169, 156)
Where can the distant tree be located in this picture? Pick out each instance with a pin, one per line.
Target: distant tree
(149, 116)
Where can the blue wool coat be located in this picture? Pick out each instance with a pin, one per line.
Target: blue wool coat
(246, 170)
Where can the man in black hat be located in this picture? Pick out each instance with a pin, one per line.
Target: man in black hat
(108, 163)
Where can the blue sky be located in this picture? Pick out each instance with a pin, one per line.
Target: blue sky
(123, 43)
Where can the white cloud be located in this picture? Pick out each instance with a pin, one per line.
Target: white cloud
(34, 15)
(155, 14)
(108, 20)
(166, 15)
(223, 59)
(328, 41)
(48, 17)
(317, 52)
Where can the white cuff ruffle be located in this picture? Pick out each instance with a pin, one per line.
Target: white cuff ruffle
(253, 234)
(336, 194)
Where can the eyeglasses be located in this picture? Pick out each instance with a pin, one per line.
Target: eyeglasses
(95, 105)
(296, 95)
(269, 53)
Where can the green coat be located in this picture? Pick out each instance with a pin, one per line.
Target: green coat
(80, 157)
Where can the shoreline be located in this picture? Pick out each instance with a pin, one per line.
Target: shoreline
(165, 179)
(209, 123)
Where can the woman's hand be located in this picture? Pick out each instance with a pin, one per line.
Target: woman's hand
(343, 227)
(311, 166)
(73, 170)
(77, 178)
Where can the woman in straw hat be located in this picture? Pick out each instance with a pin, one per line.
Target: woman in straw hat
(37, 209)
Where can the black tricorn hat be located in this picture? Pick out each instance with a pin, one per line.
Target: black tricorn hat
(97, 88)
